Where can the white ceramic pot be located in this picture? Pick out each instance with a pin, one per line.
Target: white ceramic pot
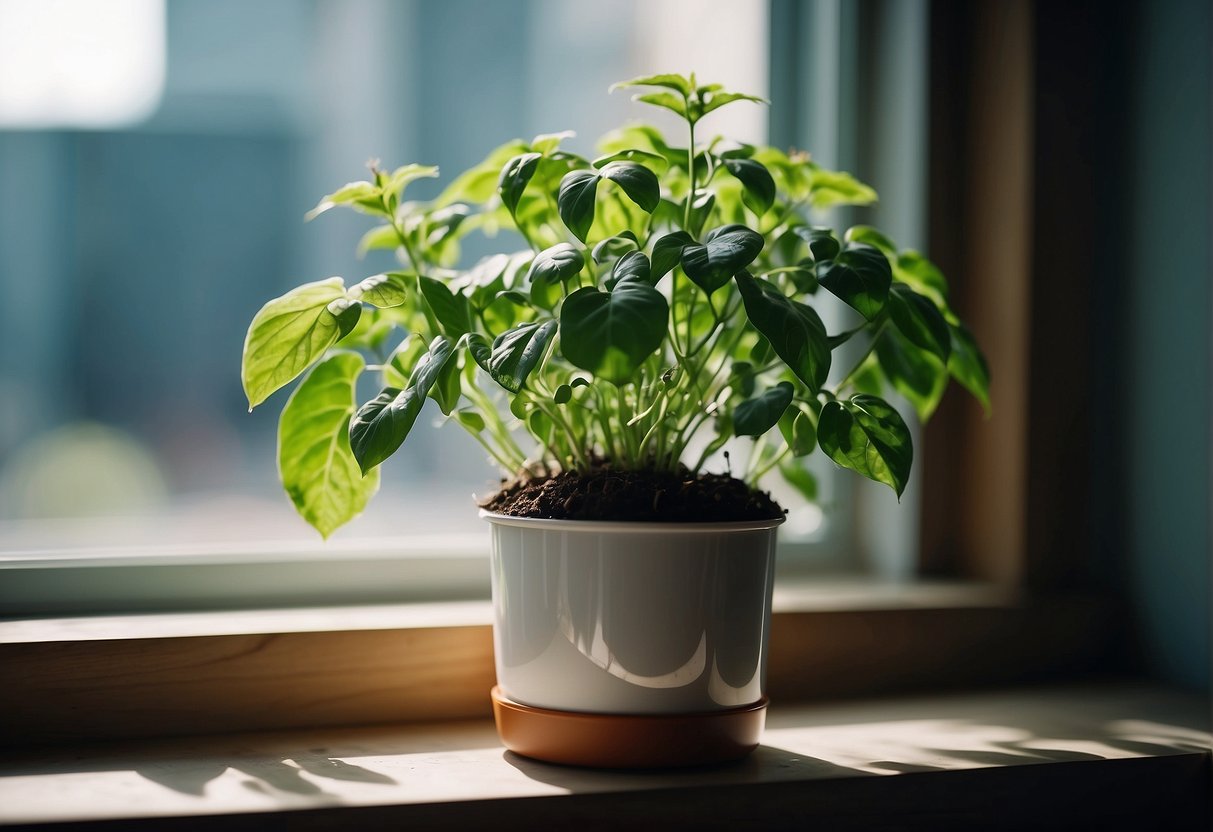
(632, 618)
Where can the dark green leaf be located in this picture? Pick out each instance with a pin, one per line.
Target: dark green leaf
(701, 208)
(756, 416)
(794, 330)
(916, 374)
(727, 250)
(667, 253)
(823, 245)
(318, 469)
(611, 335)
(799, 429)
(759, 193)
(446, 389)
(563, 394)
(347, 312)
(382, 424)
(920, 321)
(868, 436)
(288, 334)
(517, 352)
(382, 290)
(968, 366)
(556, 264)
(637, 181)
(860, 276)
(514, 178)
(634, 264)
(451, 310)
(576, 201)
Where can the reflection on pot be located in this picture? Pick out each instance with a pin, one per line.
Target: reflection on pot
(616, 618)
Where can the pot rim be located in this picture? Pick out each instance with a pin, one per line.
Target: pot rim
(632, 527)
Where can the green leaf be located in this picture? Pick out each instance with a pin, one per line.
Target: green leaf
(516, 352)
(514, 178)
(868, 436)
(830, 187)
(920, 321)
(637, 181)
(382, 290)
(823, 245)
(667, 253)
(576, 201)
(799, 429)
(289, 333)
(616, 246)
(701, 208)
(381, 425)
(556, 264)
(317, 468)
(347, 312)
(362, 196)
(870, 236)
(717, 100)
(860, 276)
(612, 334)
(545, 143)
(471, 420)
(968, 366)
(379, 237)
(756, 416)
(759, 193)
(451, 310)
(563, 394)
(794, 330)
(635, 265)
(478, 184)
(727, 251)
(800, 478)
(447, 389)
(916, 374)
(921, 275)
(678, 83)
(653, 161)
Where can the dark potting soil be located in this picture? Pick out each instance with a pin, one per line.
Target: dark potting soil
(609, 494)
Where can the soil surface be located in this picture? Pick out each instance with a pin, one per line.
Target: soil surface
(646, 496)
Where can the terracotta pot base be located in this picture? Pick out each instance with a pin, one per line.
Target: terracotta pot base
(626, 740)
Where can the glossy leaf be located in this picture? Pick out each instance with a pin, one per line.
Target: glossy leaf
(914, 373)
(556, 264)
(756, 416)
(870, 236)
(667, 253)
(968, 366)
(799, 429)
(447, 388)
(634, 264)
(867, 435)
(921, 275)
(382, 290)
(289, 333)
(920, 321)
(653, 161)
(610, 335)
(514, 178)
(860, 276)
(823, 245)
(727, 250)
(637, 181)
(616, 246)
(452, 311)
(517, 352)
(381, 425)
(576, 201)
(759, 193)
(794, 330)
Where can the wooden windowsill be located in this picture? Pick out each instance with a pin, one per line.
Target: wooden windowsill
(1133, 755)
(128, 677)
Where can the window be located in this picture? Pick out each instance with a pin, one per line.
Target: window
(135, 255)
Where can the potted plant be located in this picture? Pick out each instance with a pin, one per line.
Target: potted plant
(660, 313)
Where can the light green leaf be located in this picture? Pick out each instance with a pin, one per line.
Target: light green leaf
(471, 420)
(793, 330)
(653, 161)
(611, 335)
(798, 424)
(868, 436)
(860, 276)
(545, 143)
(670, 81)
(800, 478)
(379, 237)
(716, 100)
(870, 236)
(381, 425)
(402, 176)
(667, 101)
(725, 252)
(576, 201)
(288, 334)
(318, 470)
(363, 196)
(382, 290)
(756, 416)
(921, 275)
(830, 187)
